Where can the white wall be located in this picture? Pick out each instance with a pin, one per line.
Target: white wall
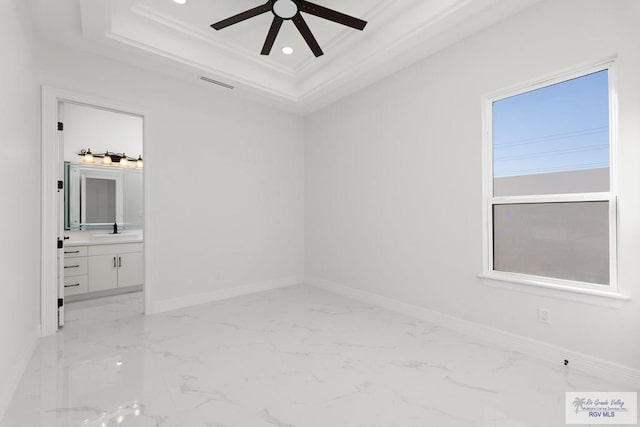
(225, 179)
(393, 177)
(20, 177)
(100, 130)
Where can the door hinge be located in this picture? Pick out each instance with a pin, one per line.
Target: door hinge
(60, 126)
(60, 185)
(60, 243)
(60, 302)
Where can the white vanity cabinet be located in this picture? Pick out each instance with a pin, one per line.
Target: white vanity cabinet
(103, 267)
(115, 266)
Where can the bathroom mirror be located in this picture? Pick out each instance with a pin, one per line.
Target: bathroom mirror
(97, 196)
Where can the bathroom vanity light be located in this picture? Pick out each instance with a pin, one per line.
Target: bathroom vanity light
(111, 159)
(88, 156)
(106, 160)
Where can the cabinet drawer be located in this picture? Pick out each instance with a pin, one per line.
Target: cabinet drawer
(75, 251)
(75, 266)
(75, 285)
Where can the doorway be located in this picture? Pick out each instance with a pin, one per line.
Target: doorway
(95, 160)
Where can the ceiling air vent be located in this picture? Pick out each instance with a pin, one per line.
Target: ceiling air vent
(215, 82)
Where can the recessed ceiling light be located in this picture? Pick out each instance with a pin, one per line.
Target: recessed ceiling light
(180, 1)
(287, 50)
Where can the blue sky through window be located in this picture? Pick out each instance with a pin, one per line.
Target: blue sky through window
(562, 127)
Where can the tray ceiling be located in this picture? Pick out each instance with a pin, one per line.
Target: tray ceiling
(398, 33)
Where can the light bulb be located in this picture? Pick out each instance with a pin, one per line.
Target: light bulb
(139, 163)
(124, 162)
(106, 160)
(88, 157)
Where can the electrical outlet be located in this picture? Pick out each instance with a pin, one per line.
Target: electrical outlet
(544, 315)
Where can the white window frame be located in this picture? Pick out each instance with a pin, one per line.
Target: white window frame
(612, 290)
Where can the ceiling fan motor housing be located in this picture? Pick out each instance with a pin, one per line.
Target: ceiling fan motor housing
(285, 9)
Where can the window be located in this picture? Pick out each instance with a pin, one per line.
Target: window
(549, 192)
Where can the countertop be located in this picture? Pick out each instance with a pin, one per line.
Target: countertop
(116, 241)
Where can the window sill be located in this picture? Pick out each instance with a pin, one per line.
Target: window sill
(540, 287)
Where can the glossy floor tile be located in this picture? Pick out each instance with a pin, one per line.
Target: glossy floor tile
(297, 356)
(82, 314)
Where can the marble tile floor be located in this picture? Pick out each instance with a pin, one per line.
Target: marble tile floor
(82, 314)
(292, 357)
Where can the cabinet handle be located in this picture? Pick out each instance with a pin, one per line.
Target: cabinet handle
(71, 286)
(114, 262)
(119, 261)
(71, 266)
(71, 252)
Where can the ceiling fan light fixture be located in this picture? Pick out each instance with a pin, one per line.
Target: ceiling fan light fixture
(287, 50)
(285, 9)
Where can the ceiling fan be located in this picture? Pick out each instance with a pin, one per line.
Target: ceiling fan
(284, 10)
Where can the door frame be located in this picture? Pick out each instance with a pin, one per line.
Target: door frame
(51, 96)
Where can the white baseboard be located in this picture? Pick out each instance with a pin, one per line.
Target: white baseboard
(17, 369)
(100, 294)
(585, 363)
(220, 294)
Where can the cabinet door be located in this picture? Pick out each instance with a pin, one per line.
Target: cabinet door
(103, 272)
(130, 269)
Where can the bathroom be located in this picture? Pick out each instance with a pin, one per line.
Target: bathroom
(101, 209)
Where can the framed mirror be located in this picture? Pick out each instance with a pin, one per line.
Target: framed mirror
(97, 197)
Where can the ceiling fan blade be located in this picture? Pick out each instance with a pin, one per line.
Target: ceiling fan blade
(332, 15)
(302, 26)
(242, 16)
(271, 36)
